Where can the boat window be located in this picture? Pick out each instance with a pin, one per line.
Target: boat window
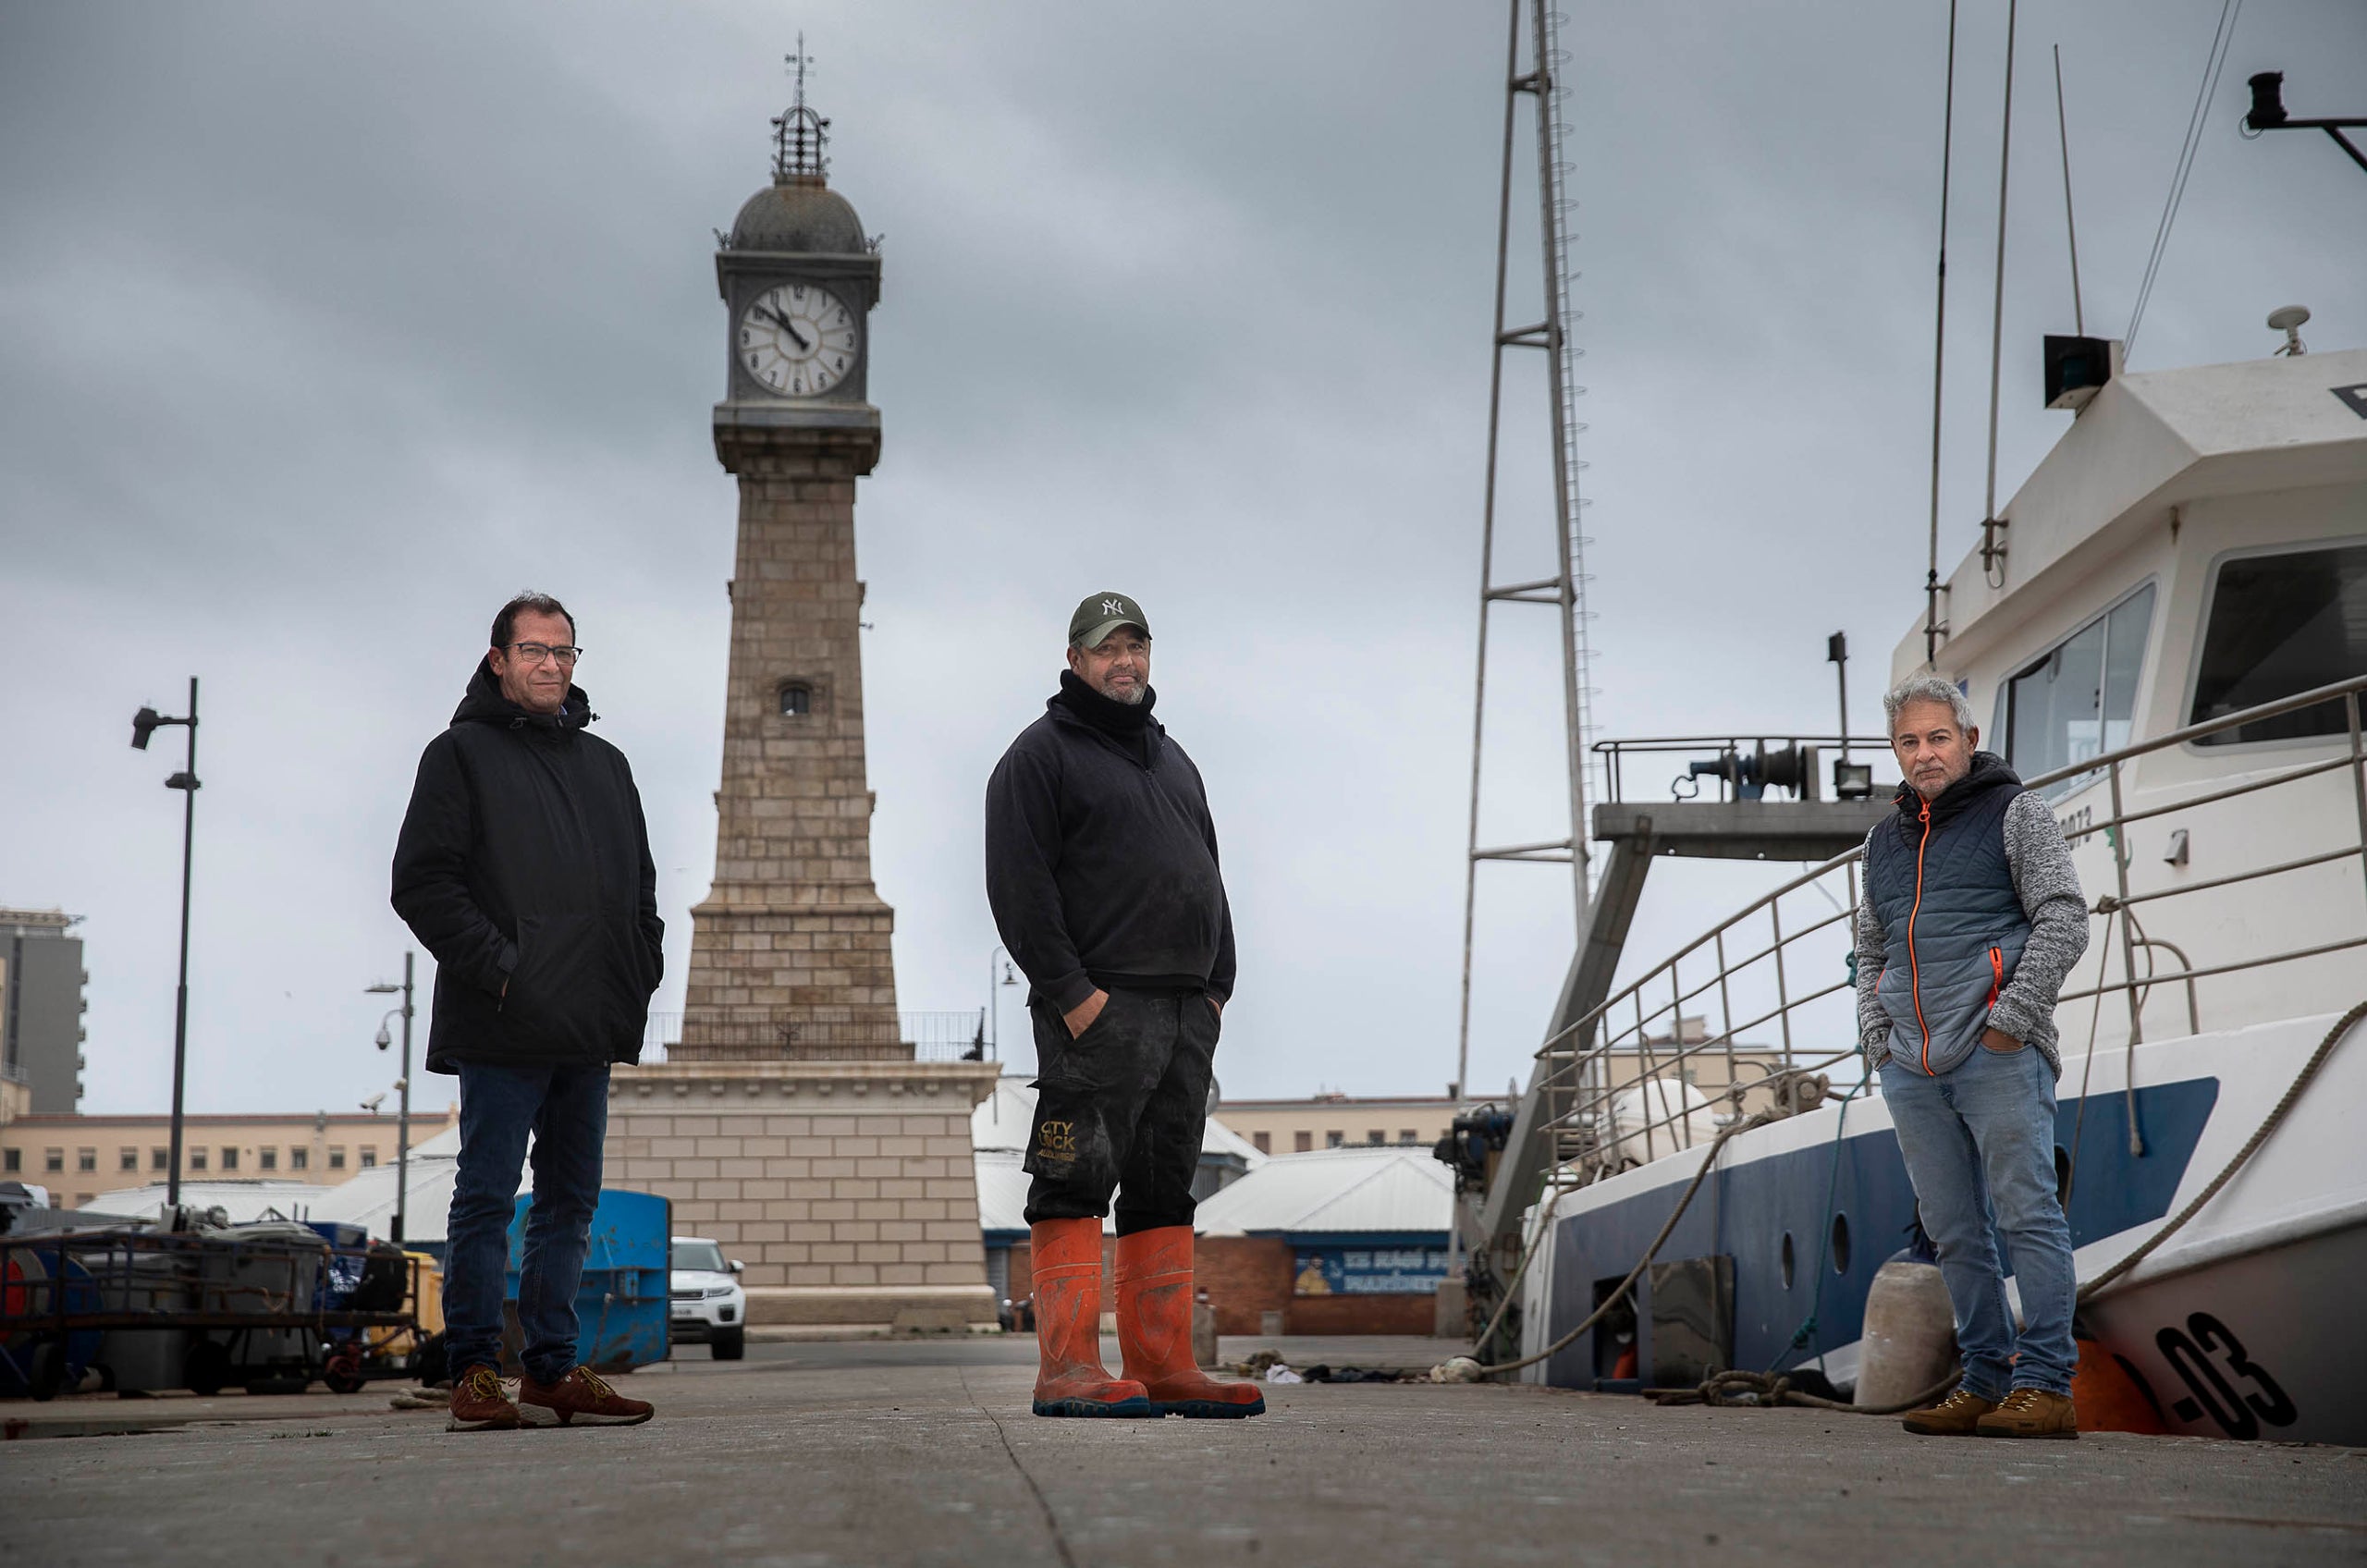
(2079, 701)
(2281, 624)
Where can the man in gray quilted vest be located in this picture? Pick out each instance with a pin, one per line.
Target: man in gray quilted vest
(1972, 916)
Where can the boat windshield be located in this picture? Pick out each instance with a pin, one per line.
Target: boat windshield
(2281, 624)
(2078, 701)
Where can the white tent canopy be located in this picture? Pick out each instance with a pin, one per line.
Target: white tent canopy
(1371, 1188)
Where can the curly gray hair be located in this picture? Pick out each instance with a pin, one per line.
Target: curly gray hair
(1928, 689)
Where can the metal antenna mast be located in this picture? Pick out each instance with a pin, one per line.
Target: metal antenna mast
(1566, 590)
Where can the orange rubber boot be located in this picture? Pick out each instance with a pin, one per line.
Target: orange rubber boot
(1155, 1329)
(1070, 1379)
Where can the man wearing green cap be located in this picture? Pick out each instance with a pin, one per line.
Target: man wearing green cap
(1101, 867)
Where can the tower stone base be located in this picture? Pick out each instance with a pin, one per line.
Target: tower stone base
(847, 1188)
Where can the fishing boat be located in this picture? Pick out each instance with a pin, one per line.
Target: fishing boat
(2165, 633)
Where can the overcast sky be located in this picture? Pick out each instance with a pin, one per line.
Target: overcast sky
(324, 328)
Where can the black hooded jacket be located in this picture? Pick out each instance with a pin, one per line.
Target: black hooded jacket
(1101, 857)
(524, 863)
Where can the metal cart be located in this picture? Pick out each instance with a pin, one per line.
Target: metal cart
(274, 1309)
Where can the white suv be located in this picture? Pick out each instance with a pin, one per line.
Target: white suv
(708, 1304)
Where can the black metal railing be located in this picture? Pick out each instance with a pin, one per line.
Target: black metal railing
(1733, 767)
(1776, 964)
(773, 1033)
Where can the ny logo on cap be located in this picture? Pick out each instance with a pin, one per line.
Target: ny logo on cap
(1114, 607)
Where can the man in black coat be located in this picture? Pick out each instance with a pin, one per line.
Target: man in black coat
(523, 867)
(1102, 868)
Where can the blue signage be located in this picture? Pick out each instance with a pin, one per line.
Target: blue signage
(1369, 1271)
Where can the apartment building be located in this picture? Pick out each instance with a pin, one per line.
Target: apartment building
(1331, 1121)
(78, 1157)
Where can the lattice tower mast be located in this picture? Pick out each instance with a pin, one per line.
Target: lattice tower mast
(1547, 81)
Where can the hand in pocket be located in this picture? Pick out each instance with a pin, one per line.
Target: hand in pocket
(1080, 1017)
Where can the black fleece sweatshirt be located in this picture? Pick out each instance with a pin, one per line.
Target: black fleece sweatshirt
(1102, 858)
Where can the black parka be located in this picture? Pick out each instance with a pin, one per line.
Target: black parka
(523, 863)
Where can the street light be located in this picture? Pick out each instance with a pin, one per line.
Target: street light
(144, 724)
(402, 1126)
(994, 1002)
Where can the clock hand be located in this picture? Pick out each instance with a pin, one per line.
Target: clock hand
(788, 327)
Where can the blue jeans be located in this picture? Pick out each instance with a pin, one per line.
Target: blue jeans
(1979, 1142)
(567, 1110)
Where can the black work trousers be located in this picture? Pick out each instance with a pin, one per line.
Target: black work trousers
(1120, 1108)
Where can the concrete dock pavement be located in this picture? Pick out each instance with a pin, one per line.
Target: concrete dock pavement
(924, 1452)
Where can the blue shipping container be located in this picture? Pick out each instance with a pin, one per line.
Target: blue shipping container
(622, 1305)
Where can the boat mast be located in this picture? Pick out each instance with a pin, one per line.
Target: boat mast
(1940, 348)
(1566, 589)
(1992, 554)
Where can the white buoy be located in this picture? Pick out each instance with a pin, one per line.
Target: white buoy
(1910, 1339)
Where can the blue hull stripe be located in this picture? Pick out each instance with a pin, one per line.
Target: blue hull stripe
(1746, 1210)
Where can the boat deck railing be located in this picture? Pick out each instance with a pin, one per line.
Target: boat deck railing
(1764, 1002)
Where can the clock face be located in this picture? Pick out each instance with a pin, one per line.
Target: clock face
(797, 340)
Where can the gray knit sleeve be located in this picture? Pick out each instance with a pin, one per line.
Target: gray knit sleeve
(2048, 885)
(1873, 1023)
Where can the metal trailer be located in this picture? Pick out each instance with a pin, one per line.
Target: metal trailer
(163, 1309)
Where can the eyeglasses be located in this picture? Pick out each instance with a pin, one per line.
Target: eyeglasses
(535, 652)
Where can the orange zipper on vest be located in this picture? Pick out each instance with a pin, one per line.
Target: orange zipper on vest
(1914, 969)
(1996, 973)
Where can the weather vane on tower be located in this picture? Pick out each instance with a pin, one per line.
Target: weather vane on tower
(799, 134)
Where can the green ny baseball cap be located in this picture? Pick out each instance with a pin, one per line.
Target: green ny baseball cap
(1098, 614)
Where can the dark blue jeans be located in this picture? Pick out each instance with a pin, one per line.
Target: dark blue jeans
(566, 1108)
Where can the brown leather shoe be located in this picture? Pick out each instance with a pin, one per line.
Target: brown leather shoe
(478, 1403)
(582, 1398)
(2031, 1412)
(1955, 1416)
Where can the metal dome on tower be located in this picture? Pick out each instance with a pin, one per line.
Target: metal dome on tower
(799, 212)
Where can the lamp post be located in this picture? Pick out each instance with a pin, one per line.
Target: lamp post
(145, 723)
(402, 1122)
(994, 1002)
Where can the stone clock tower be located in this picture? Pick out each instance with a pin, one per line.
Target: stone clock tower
(791, 1122)
(789, 954)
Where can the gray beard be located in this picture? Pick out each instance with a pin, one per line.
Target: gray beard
(1133, 699)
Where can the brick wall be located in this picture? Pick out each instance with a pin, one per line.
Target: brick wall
(793, 928)
(818, 1176)
(1246, 1277)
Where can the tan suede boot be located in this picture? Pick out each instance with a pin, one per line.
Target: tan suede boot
(1955, 1416)
(2031, 1412)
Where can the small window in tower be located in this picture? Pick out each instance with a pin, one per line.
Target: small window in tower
(12, 1160)
(796, 699)
(300, 1159)
(127, 1160)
